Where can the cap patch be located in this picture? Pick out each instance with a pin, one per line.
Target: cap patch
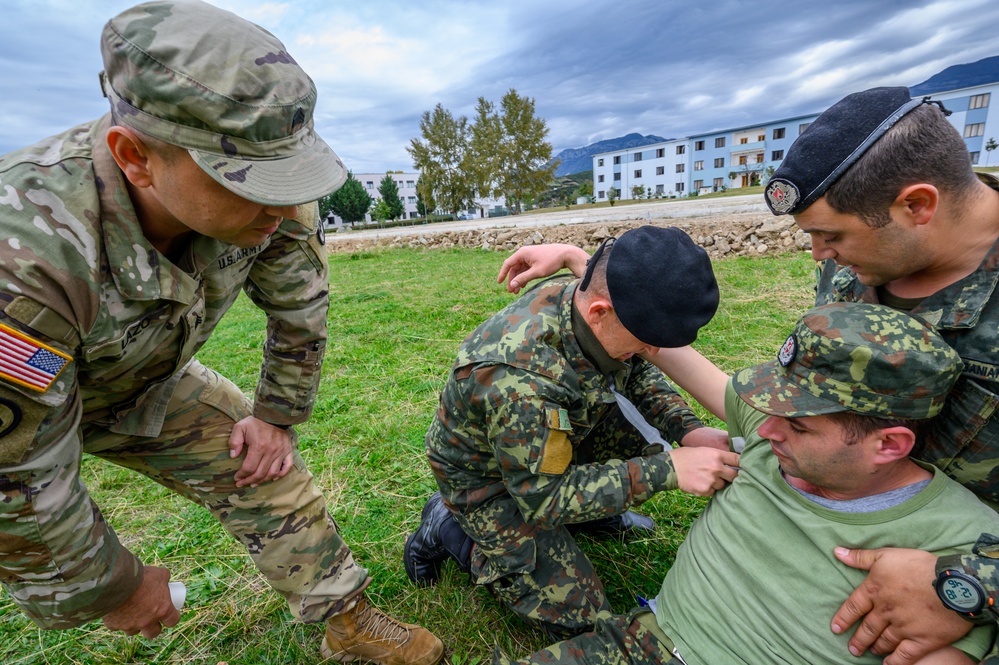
(782, 195)
(788, 351)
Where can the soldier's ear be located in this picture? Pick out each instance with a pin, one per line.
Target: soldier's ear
(894, 443)
(131, 155)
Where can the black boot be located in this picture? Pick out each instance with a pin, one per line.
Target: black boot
(439, 537)
(621, 525)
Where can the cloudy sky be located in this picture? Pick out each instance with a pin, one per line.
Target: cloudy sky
(597, 69)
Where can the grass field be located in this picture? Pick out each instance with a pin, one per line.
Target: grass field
(395, 322)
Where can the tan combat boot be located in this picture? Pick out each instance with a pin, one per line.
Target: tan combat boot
(366, 633)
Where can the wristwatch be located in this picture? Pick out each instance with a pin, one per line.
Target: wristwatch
(959, 590)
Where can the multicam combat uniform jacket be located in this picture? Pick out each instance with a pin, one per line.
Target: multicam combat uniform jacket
(77, 275)
(519, 402)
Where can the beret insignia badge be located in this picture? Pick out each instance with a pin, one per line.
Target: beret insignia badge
(782, 196)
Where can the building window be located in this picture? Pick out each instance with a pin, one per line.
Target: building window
(369, 184)
(660, 153)
(975, 129)
(779, 133)
(720, 142)
(719, 162)
(743, 159)
(698, 145)
(617, 159)
(743, 141)
(660, 170)
(719, 183)
(698, 184)
(601, 194)
(974, 156)
(660, 189)
(681, 149)
(776, 154)
(638, 173)
(680, 168)
(600, 162)
(979, 101)
(761, 137)
(679, 186)
(617, 176)
(699, 165)
(409, 184)
(600, 178)
(803, 126)
(411, 200)
(638, 157)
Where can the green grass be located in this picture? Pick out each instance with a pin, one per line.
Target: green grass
(396, 319)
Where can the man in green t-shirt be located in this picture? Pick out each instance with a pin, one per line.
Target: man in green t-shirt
(825, 432)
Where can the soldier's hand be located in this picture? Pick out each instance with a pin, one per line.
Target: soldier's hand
(900, 612)
(703, 470)
(149, 609)
(267, 448)
(536, 261)
(706, 437)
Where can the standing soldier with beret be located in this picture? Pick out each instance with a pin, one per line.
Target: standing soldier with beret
(884, 186)
(122, 243)
(549, 421)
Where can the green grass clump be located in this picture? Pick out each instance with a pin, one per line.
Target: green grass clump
(396, 319)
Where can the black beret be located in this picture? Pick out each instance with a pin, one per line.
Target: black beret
(831, 145)
(661, 285)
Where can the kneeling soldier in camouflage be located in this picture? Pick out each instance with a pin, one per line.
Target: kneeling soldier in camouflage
(548, 420)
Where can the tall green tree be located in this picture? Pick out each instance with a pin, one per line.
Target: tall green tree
(440, 156)
(425, 203)
(389, 190)
(483, 163)
(350, 203)
(524, 151)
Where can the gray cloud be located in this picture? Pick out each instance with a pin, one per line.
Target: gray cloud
(596, 70)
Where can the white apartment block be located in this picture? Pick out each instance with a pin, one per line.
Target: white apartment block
(739, 157)
(406, 182)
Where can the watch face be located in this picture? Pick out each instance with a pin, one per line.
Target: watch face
(960, 595)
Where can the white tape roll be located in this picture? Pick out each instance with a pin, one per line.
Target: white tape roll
(178, 594)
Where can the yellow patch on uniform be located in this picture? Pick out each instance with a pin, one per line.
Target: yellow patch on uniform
(557, 453)
(28, 362)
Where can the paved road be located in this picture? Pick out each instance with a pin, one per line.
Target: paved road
(678, 209)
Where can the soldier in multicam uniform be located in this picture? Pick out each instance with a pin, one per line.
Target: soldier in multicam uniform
(826, 430)
(883, 185)
(533, 432)
(124, 241)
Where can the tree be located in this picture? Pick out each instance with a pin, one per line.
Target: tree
(441, 156)
(389, 191)
(350, 203)
(586, 189)
(523, 152)
(483, 159)
(990, 145)
(612, 195)
(382, 211)
(637, 191)
(424, 198)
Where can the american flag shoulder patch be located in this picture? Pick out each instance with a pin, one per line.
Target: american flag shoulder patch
(28, 362)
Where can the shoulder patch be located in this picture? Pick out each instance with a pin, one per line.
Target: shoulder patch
(28, 362)
(557, 453)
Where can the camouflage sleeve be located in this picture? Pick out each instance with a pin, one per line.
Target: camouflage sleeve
(59, 559)
(534, 454)
(656, 398)
(290, 282)
(824, 273)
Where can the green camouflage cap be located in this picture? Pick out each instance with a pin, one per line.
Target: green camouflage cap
(196, 76)
(858, 357)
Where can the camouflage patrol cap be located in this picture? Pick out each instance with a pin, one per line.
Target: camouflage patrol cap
(204, 79)
(858, 357)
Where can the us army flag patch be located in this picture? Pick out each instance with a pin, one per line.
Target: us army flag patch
(28, 362)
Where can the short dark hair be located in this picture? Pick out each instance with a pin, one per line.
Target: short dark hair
(921, 147)
(856, 426)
